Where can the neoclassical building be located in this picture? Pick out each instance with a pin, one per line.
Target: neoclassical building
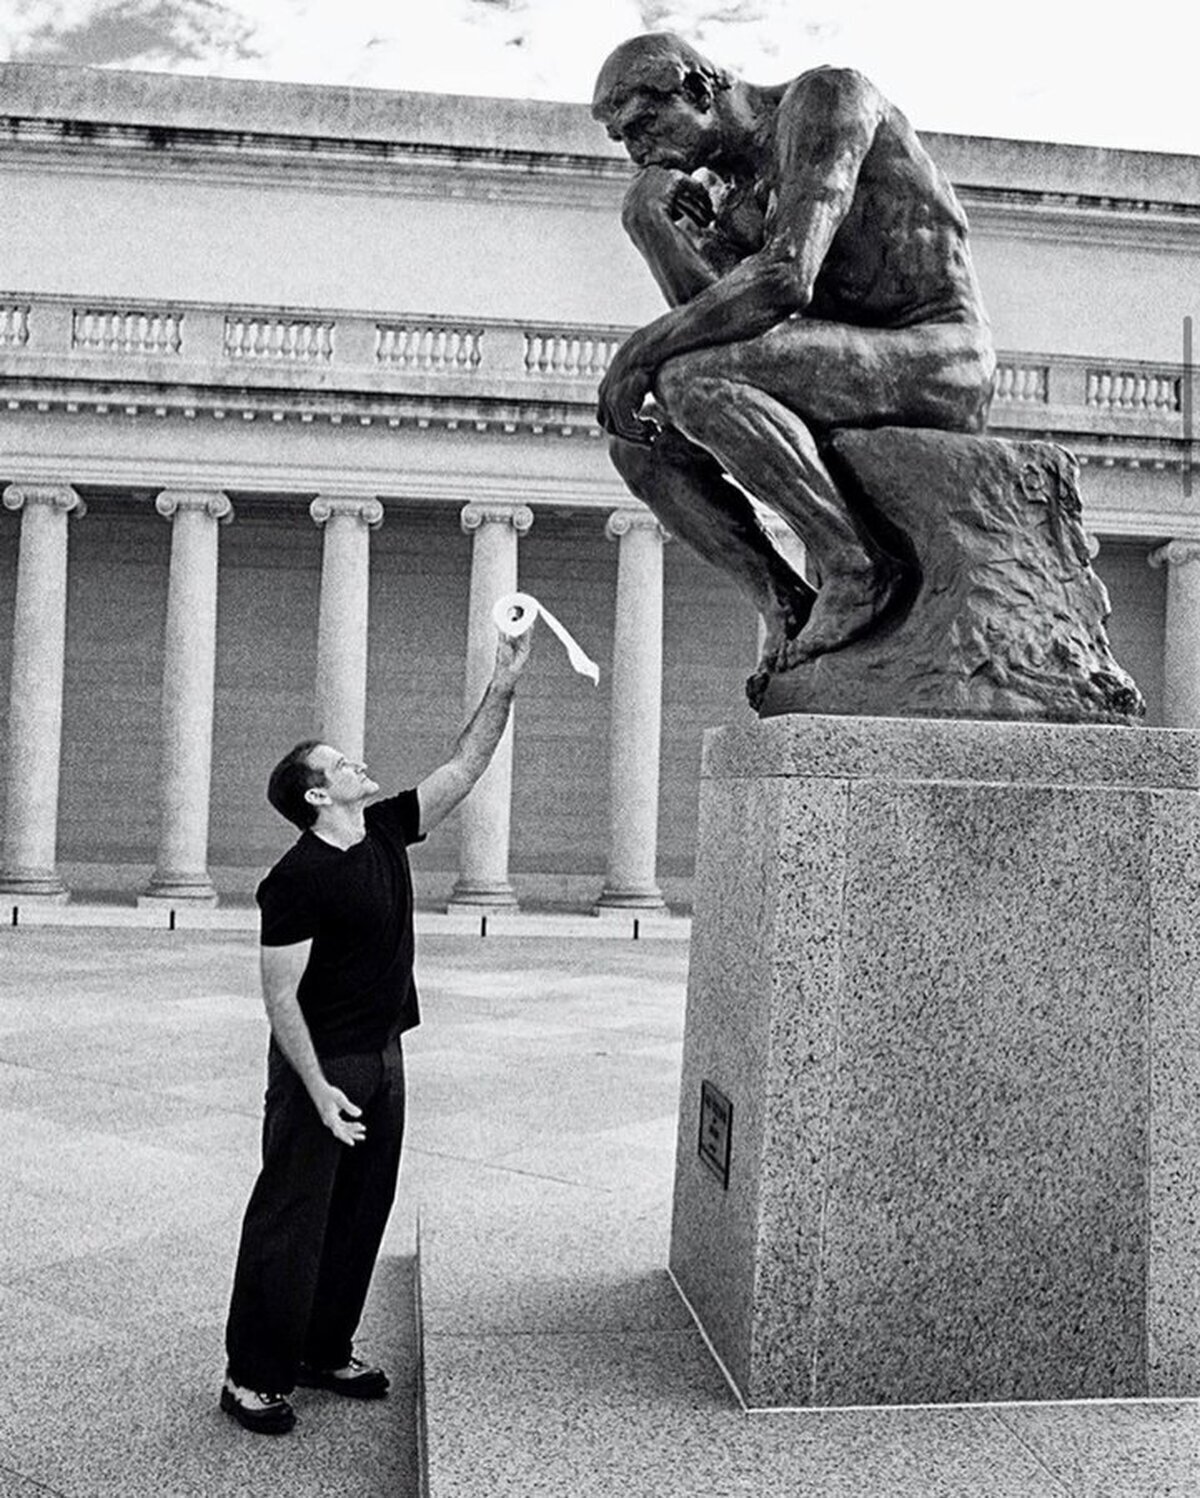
(294, 381)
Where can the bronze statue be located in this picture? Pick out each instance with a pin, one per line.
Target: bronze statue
(817, 268)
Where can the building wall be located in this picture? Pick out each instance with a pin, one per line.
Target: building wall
(431, 232)
(1138, 593)
(116, 609)
(209, 197)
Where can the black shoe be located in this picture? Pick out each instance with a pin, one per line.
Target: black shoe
(357, 1380)
(265, 1414)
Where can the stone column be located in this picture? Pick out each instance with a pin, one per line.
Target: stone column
(341, 693)
(28, 868)
(636, 713)
(189, 674)
(483, 866)
(1181, 652)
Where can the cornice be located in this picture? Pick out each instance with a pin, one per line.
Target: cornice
(395, 168)
(431, 169)
(332, 479)
(1157, 447)
(1128, 225)
(468, 415)
(304, 408)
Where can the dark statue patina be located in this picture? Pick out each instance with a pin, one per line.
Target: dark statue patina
(822, 297)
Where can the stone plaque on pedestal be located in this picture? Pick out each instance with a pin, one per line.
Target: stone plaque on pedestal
(946, 976)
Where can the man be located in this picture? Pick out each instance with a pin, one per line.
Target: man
(337, 958)
(817, 268)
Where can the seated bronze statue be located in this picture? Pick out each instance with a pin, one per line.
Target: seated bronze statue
(827, 355)
(817, 267)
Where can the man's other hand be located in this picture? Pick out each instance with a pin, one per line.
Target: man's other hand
(338, 1114)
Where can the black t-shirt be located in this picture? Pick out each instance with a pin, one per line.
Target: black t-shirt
(356, 906)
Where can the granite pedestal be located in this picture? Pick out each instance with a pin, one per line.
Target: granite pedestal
(939, 1131)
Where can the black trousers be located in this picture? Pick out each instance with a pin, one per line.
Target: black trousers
(314, 1222)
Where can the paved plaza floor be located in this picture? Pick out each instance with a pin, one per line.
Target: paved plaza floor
(557, 1358)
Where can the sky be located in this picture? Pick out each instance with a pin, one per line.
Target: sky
(1109, 75)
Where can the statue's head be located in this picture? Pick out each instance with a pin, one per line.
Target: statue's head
(655, 94)
(659, 65)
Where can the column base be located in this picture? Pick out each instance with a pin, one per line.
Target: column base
(43, 888)
(179, 889)
(496, 893)
(615, 900)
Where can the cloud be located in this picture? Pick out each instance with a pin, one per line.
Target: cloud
(128, 33)
(1045, 76)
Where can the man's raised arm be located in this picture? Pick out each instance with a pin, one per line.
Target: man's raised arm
(442, 790)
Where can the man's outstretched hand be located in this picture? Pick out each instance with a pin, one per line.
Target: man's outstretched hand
(511, 655)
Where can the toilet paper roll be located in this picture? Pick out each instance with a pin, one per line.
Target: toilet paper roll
(516, 613)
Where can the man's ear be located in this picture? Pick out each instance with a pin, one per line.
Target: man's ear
(317, 795)
(697, 90)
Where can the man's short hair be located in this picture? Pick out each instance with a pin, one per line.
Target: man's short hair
(658, 63)
(290, 779)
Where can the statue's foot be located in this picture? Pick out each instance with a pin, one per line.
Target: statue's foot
(846, 608)
(783, 624)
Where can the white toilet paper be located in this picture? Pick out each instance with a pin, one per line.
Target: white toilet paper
(516, 612)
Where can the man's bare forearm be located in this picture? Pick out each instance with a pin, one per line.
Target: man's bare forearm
(281, 971)
(442, 790)
(292, 1035)
(477, 742)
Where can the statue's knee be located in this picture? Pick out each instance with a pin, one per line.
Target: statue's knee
(632, 460)
(671, 387)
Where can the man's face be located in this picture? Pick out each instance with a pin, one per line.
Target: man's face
(664, 131)
(346, 780)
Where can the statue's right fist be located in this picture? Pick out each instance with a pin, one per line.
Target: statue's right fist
(659, 191)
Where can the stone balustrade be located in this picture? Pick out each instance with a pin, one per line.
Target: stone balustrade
(1022, 382)
(111, 330)
(14, 324)
(292, 339)
(575, 355)
(59, 340)
(1138, 390)
(428, 346)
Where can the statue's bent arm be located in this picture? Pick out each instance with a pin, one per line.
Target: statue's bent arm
(824, 128)
(657, 219)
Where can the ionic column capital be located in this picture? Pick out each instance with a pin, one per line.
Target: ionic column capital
(1175, 554)
(211, 501)
(472, 516)
(367, 510)
(58, 496)
(627, 519)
